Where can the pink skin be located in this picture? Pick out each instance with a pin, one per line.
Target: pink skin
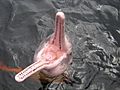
(55, 55)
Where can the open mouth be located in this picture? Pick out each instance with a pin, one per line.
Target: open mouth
(52, 52)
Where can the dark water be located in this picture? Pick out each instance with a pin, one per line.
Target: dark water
(94, 29)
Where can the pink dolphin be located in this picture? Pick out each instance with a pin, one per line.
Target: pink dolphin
(54, 57)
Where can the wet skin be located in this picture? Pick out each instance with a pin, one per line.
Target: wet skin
(53, 56)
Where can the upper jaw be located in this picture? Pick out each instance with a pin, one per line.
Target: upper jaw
(58, 38)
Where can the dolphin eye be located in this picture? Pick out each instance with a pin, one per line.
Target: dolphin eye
(70, 53)
(71, 63)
